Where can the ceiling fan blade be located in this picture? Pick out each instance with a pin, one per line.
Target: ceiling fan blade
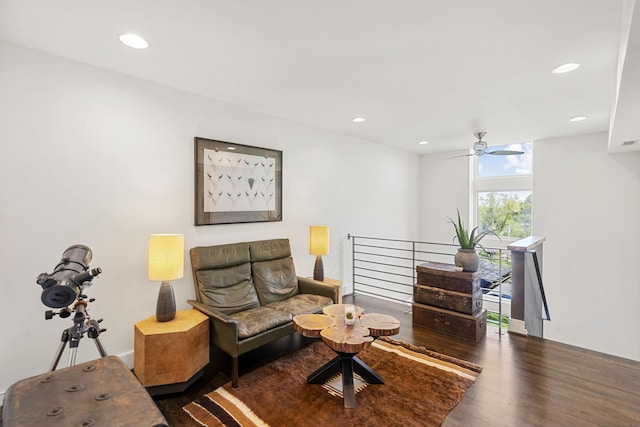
(461, 155)
(504, 152)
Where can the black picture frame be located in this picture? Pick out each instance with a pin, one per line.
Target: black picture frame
(236, 183)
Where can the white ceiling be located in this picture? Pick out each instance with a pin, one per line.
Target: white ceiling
(415, 69)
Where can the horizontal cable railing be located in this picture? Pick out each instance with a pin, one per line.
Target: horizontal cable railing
(386, 268)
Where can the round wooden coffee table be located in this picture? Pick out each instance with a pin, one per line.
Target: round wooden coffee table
(347, 341)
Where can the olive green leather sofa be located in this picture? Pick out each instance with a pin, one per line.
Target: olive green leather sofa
(250, 291)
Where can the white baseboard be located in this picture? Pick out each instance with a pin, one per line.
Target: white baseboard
(127, 358)
(346, 290)
(517, 326)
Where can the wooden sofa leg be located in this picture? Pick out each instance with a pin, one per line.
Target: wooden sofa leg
(234, 372)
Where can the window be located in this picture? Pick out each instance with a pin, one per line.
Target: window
(507, 213)
(502, 192)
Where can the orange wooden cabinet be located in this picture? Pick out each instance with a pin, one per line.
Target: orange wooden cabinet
(170, 356)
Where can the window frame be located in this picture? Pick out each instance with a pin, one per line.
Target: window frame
(496, 184)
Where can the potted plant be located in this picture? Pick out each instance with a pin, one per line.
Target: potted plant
(349, 315)
(467, 257)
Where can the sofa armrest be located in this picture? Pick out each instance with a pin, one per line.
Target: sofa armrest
(211, 312)
(310, 286)
(224, 329)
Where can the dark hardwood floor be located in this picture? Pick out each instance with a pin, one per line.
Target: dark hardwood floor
(525, 381)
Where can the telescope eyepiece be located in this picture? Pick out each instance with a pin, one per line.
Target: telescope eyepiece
(86, 276)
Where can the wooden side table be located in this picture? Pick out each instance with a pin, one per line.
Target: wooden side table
(346, 341)
(170, 356)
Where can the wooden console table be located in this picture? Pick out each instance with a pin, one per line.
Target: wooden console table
(347, 341)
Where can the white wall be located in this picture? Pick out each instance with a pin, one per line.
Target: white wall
(98, 158)
(444, 188)
(587, 204)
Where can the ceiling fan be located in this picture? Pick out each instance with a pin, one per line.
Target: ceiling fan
(480, 148)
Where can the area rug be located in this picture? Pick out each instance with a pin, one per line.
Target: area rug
(421, 387)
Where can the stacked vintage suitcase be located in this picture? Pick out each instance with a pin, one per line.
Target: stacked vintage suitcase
(450, 301)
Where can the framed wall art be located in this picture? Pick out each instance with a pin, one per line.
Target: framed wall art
(236, 183)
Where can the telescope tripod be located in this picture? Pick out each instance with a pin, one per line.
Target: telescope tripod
(81, 324)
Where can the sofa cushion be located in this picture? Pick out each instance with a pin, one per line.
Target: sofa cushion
(275, 280)
(227, 289)
(259, 319)
(221, 256)
(302, 304)
(264, 250)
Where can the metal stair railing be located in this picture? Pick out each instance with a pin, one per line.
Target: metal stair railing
(386, 268)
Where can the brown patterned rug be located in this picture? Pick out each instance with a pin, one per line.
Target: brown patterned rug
(421, 387)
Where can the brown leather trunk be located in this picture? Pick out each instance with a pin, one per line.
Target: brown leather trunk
(468, 326)
(446, 276)
(450, 300)
(103, 392)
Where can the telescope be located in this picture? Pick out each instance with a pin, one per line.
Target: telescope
(60, 289)
(63, 286)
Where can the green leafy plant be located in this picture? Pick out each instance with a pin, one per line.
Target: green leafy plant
(349, 315)
(468, 240)
(492, 317)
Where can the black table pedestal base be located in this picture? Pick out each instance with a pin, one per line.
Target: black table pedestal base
(347, 363)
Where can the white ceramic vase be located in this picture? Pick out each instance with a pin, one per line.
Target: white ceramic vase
(349, 315)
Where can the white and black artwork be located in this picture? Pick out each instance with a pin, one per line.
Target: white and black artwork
(237, 183)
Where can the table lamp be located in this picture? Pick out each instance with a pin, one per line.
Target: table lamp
(318, 246)
(166, 263)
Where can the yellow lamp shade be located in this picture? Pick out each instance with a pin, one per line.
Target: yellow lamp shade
(319, 240)
(166, 257)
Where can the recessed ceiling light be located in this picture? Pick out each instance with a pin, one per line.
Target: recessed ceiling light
(423, 142)
(134, 41)
(577, 119)
(565, 68)
(231, 148)
(358, 119)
